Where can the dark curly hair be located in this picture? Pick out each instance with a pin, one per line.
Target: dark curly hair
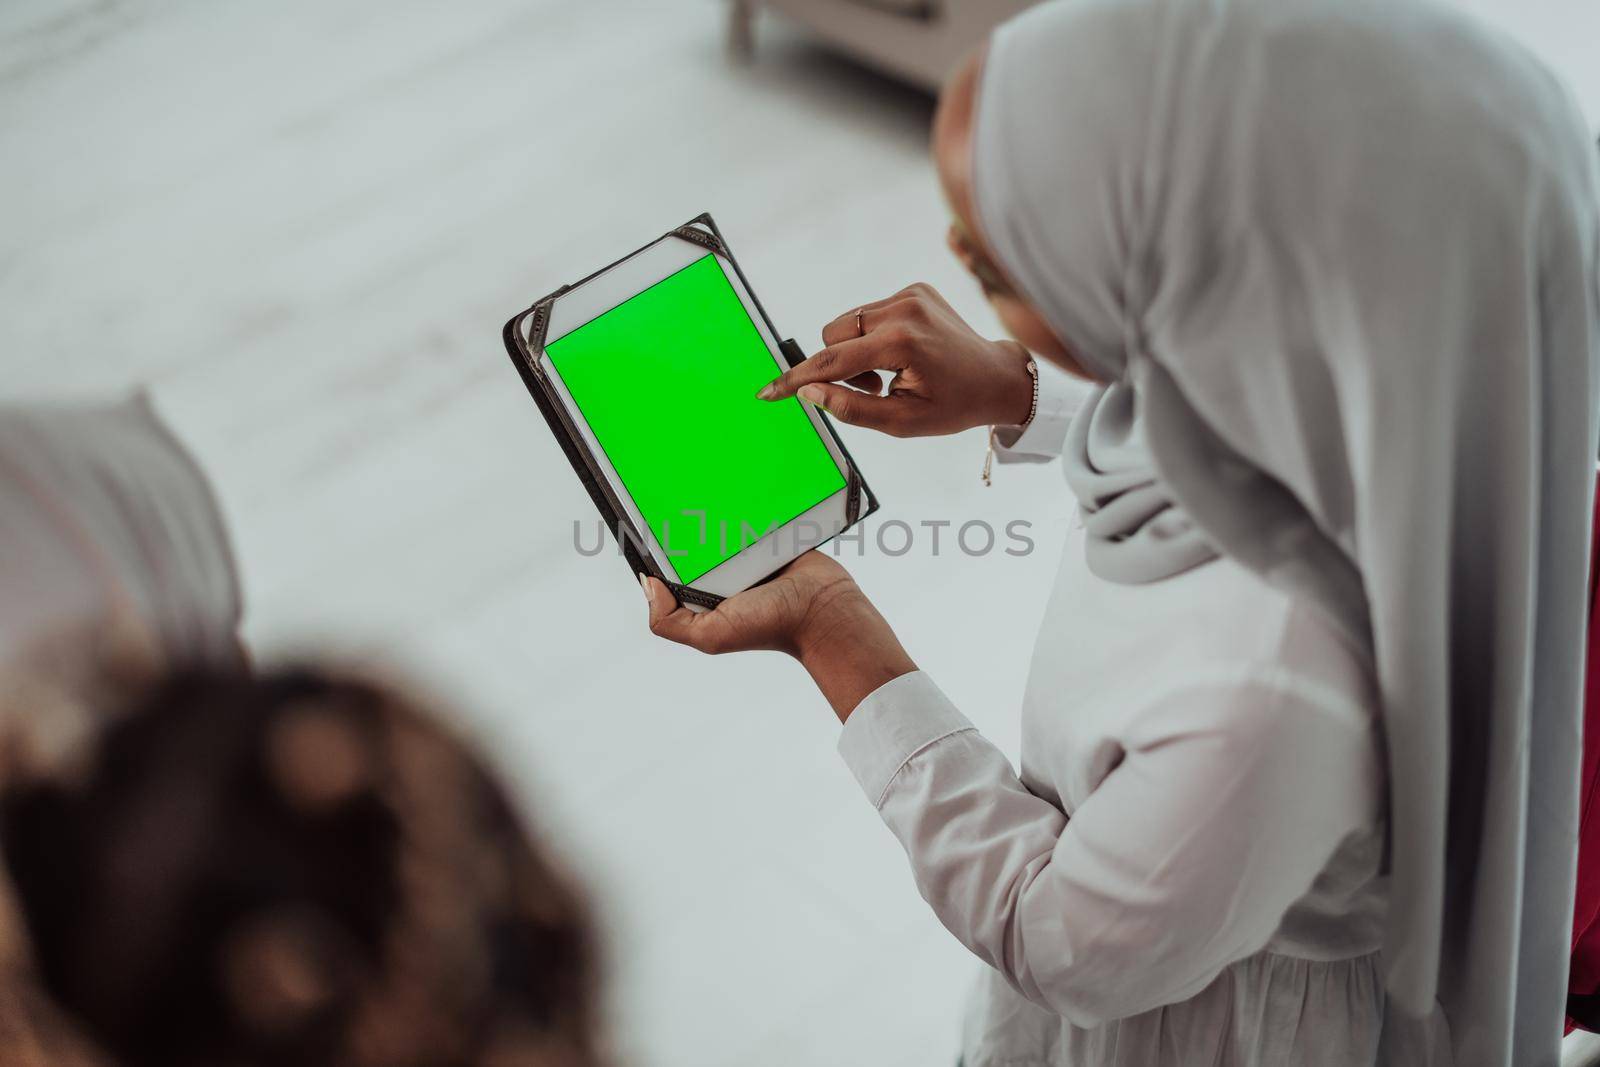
(296, 869)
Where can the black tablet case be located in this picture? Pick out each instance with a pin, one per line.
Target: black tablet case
(701, 230)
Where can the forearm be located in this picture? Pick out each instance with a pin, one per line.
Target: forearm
(850, 650)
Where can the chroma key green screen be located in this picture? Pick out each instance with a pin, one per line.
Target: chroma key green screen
(667, 382)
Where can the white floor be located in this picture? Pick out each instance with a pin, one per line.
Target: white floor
(301, 227)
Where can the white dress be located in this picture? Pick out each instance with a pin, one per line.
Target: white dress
(1187, 869)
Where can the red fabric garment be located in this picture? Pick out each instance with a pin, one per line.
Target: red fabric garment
(1583, 983)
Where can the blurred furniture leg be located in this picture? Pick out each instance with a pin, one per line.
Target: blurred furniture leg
(918, 41)
(741, 29)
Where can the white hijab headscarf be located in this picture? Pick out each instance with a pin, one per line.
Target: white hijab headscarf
(106, 523)
(1338, 259)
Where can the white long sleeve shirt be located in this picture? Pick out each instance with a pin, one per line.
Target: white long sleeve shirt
(1186, 871)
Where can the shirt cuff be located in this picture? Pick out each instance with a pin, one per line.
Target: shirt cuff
(897, 720)
(1060, 396)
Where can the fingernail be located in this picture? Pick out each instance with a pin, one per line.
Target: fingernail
(644, 583)
(767, 392)
(811, 394)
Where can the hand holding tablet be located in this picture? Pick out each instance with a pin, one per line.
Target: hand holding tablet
(647, 373)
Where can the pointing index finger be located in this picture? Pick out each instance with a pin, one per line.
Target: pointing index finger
(832, 364)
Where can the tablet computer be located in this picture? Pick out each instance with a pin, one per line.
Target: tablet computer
(646, 372)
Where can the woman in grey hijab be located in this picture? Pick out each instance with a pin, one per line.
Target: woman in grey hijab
(1301, 739)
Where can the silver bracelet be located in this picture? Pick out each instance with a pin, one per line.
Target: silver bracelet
(1033, 409)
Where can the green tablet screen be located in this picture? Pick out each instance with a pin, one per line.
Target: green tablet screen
(667, 382)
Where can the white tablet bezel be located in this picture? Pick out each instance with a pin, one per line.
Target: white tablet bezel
(615, 286)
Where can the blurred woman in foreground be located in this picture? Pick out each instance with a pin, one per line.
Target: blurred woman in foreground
(213, 869)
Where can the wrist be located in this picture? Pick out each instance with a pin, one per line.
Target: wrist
(849, 649)
(1014, 401)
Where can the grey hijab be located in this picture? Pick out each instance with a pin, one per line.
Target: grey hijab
(105, 519)
(1134, 531)
(1342, 256)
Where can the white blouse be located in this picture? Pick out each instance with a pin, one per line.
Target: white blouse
(1187, 869)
